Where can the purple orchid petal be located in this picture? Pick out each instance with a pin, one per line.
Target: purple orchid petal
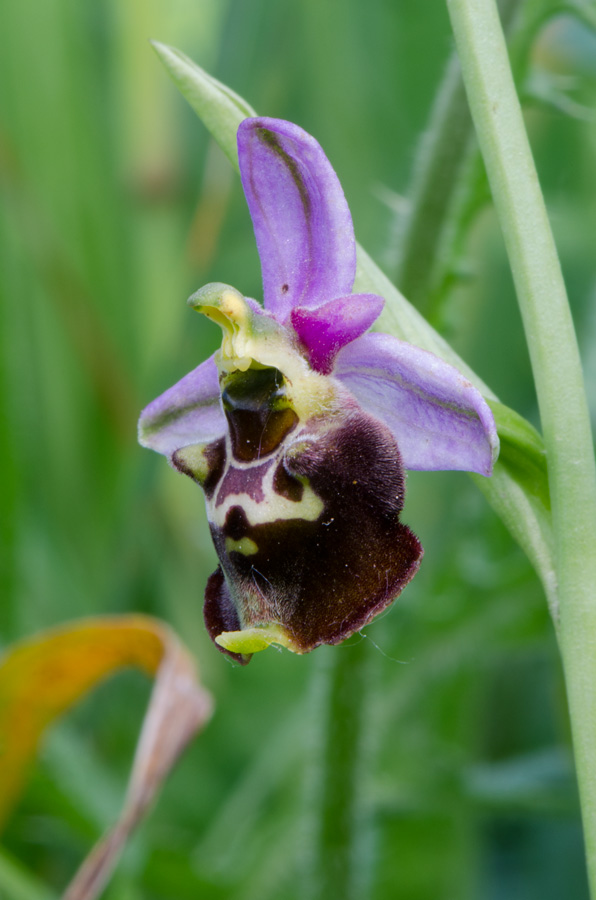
(325, 330)
(439, 419)
(301, 220)
(188, 413)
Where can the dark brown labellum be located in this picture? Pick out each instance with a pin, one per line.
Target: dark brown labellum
(306, 525)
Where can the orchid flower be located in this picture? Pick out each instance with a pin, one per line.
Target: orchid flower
(300, 428)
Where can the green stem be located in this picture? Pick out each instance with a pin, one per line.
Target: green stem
(442, 152)
(555, 363)
(438, 161)
(337, 819)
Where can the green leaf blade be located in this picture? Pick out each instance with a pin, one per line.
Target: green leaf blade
(218, 107)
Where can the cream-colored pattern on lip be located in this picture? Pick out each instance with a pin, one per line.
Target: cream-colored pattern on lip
(271, 508)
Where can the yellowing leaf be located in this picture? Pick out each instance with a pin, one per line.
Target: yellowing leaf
(42, 677)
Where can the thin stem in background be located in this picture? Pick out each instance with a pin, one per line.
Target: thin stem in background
(438, 161)
(448, 183)
(556, 365)
(337, 821)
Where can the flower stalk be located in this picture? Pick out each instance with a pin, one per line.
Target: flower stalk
(339, 834)
(555, 363)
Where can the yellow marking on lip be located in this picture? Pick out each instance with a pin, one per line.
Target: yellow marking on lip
(245, 546)
(194, 459)
(252, 640)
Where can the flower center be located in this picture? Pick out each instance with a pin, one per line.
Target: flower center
(249, 334)
(252, 340)
(258, 411)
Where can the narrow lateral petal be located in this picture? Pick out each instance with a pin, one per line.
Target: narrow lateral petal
(325, 330)
(188, 413)
(301, 220)
(439, 419)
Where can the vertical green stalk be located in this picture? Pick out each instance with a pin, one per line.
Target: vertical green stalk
(556, 366)
(337, 818)
(440, 158)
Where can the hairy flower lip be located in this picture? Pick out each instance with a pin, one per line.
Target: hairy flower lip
(364, 407)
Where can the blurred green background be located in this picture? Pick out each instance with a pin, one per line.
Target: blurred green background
(115, 206)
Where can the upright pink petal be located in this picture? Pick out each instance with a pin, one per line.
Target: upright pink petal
(328, 328)
(301, 220)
